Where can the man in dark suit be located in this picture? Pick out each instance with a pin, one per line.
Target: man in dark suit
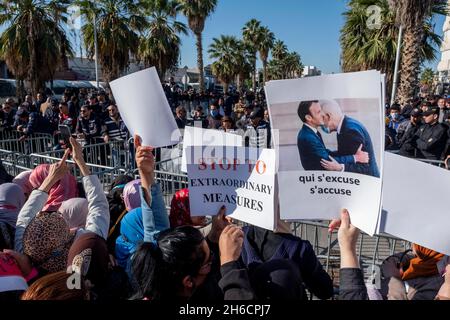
(351, 135)
(311, 146)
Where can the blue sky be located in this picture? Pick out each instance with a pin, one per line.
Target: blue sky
(310, 27)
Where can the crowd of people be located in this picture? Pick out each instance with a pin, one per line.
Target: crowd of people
(91, 117)
(420, 129)
(63, 241)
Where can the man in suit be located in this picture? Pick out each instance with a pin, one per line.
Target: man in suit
(311, 146)
(351, 135)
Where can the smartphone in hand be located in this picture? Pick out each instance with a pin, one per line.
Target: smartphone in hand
(65, 135)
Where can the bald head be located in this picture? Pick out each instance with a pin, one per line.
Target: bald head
(332, 114)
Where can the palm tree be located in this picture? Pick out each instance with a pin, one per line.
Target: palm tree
(118, 24)
(365, 49)
(196, 11)
(279, 50)
(427, 76)
(226, 66)
(160, 45)
(33, 40)
(264, 47)
(412, 15)
(243, 64)
(289, 66)
(251, 33)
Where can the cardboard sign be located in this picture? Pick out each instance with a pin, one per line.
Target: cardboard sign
(242, 179)
(415, 202)
(330, 146)
(144, 108)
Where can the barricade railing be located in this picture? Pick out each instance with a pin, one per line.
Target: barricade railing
(35, 143)
(371, 251)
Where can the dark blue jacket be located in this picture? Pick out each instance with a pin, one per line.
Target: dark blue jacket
(352, 136)
(38, 124)
(262, 245)
(312, 150)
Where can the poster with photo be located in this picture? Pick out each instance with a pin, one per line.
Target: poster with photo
(330, 146)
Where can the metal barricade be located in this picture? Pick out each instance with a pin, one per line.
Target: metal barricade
(36, 143)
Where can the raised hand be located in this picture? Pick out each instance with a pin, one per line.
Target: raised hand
(77, 156)
(56, 173)
(219, 223)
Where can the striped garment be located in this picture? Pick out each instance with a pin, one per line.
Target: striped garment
(116, 130)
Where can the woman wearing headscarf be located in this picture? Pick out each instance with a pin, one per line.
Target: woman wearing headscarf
(74, 212)
(131, 195)
(88, 257)
(117, 209)
(23, 181)
(64, 189)
(45, 236)
(11, 201)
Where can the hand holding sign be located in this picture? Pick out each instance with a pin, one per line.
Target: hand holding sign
(219, 223)
(145, 162)
(347, 237)
(230, 244)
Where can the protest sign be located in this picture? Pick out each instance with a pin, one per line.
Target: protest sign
(194, 136)
(330, 146)
(414, 202)
(242, 179)
(144, 108)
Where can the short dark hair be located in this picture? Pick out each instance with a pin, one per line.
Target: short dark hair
(62, 103)
(304, 109)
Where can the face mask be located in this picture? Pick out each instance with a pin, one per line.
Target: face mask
(394, 116)
(214, 113)
(325, 129)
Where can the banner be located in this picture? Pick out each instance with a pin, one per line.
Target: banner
(144, 108)
(330, 146)
(242, 179)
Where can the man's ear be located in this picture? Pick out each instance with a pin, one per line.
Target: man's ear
(308, 118)
(188, 282)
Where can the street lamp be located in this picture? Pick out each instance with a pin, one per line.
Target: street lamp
(96, 50)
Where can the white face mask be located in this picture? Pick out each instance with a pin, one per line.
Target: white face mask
(394, 116)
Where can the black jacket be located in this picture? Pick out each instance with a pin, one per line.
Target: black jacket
(351, 285)
(431, 141)
(261, 245)
(90, 127)
(408, 141)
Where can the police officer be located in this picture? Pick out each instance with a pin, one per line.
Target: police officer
(257, 133)
(432, 136)
(407, 137)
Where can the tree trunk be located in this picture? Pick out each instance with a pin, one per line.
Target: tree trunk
(254, 75)
(32, 74)
(410, 66)
(226, 85)
(200, 61)
(265, 70)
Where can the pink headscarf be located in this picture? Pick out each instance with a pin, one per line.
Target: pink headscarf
(131, 195)
(23, 181)
(64, 189)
